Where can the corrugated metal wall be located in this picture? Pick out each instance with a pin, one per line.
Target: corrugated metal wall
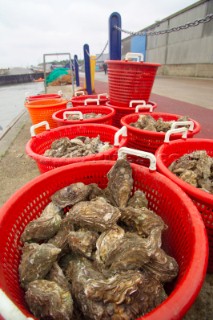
(186, 52)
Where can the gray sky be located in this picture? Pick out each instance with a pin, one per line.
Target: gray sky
(30, 28)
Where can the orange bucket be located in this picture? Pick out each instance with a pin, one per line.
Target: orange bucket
(43, 109)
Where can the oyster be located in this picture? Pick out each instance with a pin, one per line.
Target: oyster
(138, 200)
(129, 252)
(107, 242)
(95, 191)
(70, 195)
(120, 182)
(96, 215)
(45, 227)
(82, 242)
(161, 266)
(142, 220)
(56, 274)
(60, 239)
(47, 299)
(36, 261)
(126, 295)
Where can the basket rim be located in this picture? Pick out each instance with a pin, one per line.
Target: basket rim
(84, 108)
(194, 274)
(87, 96)
(35, 103)
(65, 161)
(134, 63)
(189, 189)
(124, 121)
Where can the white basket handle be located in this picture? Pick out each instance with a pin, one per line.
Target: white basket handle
(9, 311)
(145, 106)
(183, 123)
(139, 153)
(123, 132)
(60, 93)
(142, 102)
(38, 125)
(178, 130)
(91, 100)
(69, 105)
(79, 93)
(131, 55)
(102, 95)
(79, 113)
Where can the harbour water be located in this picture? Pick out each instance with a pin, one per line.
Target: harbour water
(12, 99)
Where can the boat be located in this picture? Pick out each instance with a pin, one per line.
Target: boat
(38, 80)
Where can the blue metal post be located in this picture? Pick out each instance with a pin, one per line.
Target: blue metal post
(76, 70)
(114, 36)
(87, 69)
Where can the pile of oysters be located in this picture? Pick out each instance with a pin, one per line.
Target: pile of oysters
(80, 146)
(195, 168)
(147, 122)
(85, 116)
(96, 253)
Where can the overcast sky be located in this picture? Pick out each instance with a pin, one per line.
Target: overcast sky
(30, 28)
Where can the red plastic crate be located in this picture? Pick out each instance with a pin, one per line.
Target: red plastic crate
(170, 152)
(185, 239)
(38, 144)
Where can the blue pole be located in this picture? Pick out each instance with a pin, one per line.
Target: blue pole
(114, 36)
(87, 69)
(76, 70)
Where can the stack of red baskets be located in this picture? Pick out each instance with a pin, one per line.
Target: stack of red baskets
(129, 80)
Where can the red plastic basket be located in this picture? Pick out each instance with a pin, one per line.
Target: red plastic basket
(169, 152)
(42, 110)
(123, 111)
(107, 118)
(130, 80)
(149, 140)
(80, 100)
(185, 239)
(37, 145)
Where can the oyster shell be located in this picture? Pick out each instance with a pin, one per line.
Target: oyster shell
(147, 122)
(129, 252)
(45, 227)
(96, 215)
(70, 195)
(47, 299)
(142, 220)
(120, 182)
(76, 147)
(60, 239)
(57, 275)
(107, 242)
(162, 267)
(195, 168)
(89, 115)
(36, 261)
(82, 242)
(95, 191)
(138, 200)
(123, 296)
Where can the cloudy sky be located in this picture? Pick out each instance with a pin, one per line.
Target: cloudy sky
(30, 28)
